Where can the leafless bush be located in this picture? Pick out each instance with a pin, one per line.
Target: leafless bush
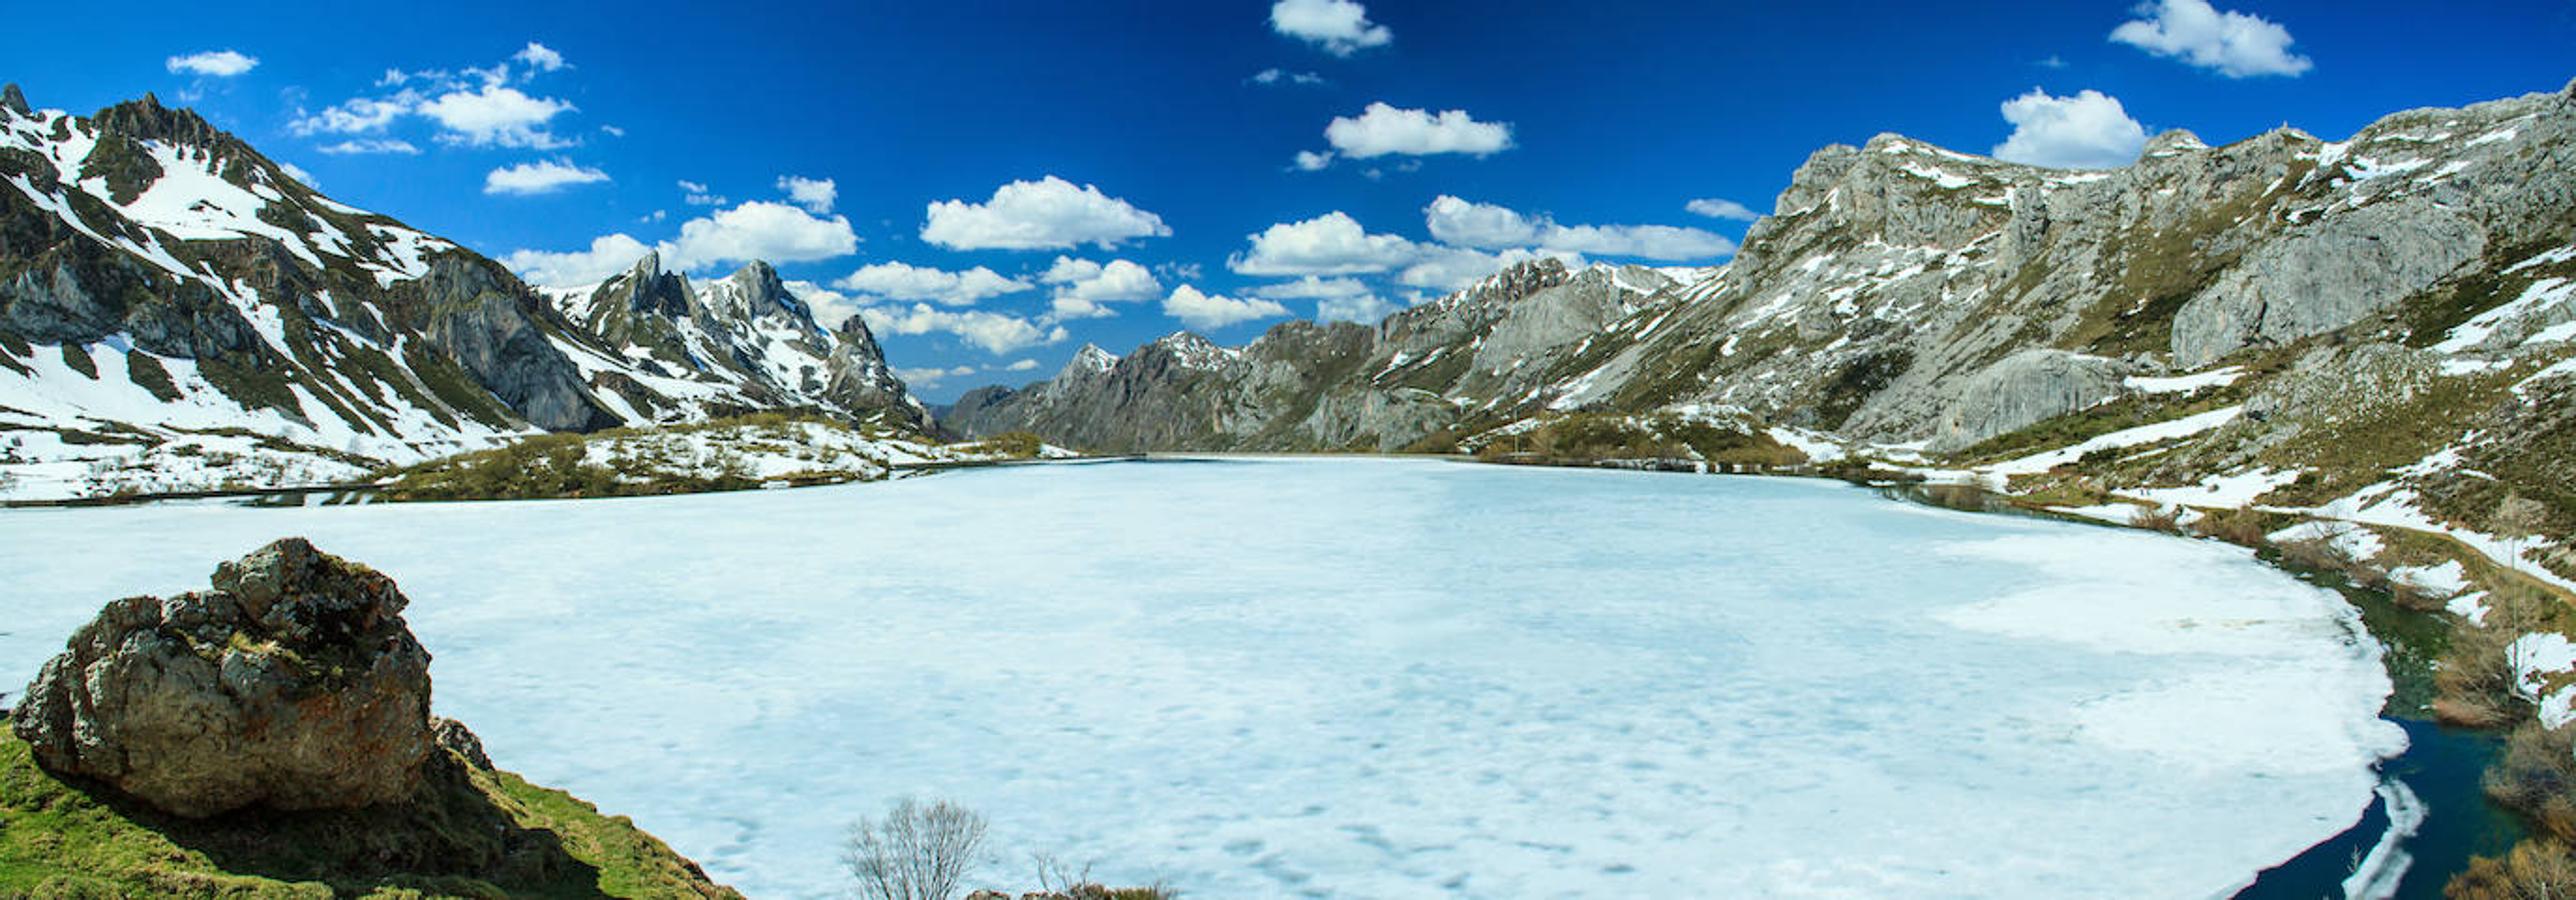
(2535, 870)
(2167, 519)
(917, 852)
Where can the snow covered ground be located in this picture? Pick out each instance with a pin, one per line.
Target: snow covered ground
(1358, 678)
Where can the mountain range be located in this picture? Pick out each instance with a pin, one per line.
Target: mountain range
(177, 311)
(2383, 325)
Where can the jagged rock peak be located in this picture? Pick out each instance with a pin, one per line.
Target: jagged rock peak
(147, 119)
(13, 101)
(1518, 280)
(648, 266)
(293, 684)
(1190, 350)
(2173, 143)
(1090, 359)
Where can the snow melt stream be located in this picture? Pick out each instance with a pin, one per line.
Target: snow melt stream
(1358, 678)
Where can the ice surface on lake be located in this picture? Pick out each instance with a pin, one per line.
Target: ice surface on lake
(1363, 679)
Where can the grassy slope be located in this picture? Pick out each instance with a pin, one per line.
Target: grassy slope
(469, 833)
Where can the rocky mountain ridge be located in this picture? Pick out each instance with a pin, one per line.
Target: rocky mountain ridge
(2406, 291)
(178, 311)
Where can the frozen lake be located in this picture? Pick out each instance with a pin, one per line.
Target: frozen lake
(1357, 678)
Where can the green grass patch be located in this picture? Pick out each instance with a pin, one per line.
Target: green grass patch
(468, 832)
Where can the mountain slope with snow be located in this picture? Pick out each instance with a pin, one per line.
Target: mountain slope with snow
(177, 312)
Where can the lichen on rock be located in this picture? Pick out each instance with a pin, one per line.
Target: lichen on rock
(293, 684)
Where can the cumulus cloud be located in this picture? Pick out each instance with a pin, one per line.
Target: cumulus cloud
(761, 230)
(1340, 27)
(371, 145)
(995, 332)
(1366, 309)
(2234, 44)
(904, 281)
(1283, 76)
(1021, 365)
(1311, 161)
(1048, 214)
(1382, 129)
(212, 63)
(540, 57)
(297, 172)
(1492, 227)
(496, 115)
(830, 307)
(695, 194)
(1083, 287)
(1451, 268)
(931, 377)
(1209, 312)
(815, 194)
(1336, 299)
(607, 256)
(540, 177)
(357, 115)
(1716, 208)
(1329, 244)
(2087, 131)
(475, 106)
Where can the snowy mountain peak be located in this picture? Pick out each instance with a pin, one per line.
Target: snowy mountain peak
(2173, 142)
(1192, 351)
(1090, 359)
(12, 100)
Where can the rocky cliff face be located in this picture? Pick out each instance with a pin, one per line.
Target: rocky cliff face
(1908, 296)
(1909, 293)
(293, 684)
(177, 312)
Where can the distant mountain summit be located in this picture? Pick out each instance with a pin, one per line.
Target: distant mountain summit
(177, 311)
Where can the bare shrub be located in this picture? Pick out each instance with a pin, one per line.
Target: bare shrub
(2239, 526)
(2167, 519)
(2537, 776)
(2478, 681)
(2535, 870)
(917, 852)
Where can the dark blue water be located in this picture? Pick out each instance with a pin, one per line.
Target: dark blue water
(2442, 765)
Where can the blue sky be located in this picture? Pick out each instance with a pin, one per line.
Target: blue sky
(1123, 170)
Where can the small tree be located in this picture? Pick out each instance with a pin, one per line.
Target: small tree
(917, 852)
(2517, 519)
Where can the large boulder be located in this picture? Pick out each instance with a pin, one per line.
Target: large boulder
(293, 684)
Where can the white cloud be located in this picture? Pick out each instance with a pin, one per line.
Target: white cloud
(1049, 214)
(355, 116)
(1329, 244)
(496, 115)
(1716, 208)
(761, 230)
(1084, 288)
(1021, 365)
(830, 307)
(1336, 299)
(995, 332)
(612, 131)
(1209, 312)
(1366, 309)
(541, 177)
(539, 57)
(904, 281)
(371, 145)
(608, 255)
(1451, 268)
(1491, 227)
(695, 194)
(1341, 27)
(297, 172)
(1283, 76)
(1310, 161)
(212, 63)
(1312, 288)
(1382, 129)
(931, 377)
(2235, 44)
(815, 194)
(2086, 131)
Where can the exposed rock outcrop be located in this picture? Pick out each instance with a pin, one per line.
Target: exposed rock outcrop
(293, 684)
(2025, 388)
